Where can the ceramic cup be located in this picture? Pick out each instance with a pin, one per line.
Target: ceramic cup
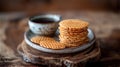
(44, 24)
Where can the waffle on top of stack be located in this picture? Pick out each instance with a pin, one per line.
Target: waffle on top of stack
(73, 32)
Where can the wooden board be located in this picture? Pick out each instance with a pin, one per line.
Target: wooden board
(79, 59)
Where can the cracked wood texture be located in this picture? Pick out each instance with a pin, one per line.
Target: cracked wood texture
(106, 26)
(77, 59)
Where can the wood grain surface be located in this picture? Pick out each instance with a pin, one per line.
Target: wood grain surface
(106, 26)
(77, 59)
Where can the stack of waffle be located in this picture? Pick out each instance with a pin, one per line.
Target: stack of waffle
(73, 32)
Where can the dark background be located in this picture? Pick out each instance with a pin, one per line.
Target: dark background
(38, 6)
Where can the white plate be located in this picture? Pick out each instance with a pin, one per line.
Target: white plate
(28, 35)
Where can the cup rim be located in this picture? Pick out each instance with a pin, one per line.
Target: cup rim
(56, 17)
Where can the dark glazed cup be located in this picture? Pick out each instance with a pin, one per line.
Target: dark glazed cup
(44, 24)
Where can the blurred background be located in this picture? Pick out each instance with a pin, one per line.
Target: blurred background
(103, 16)
(38, 6)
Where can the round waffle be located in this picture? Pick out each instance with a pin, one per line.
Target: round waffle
(37, 39)
(73, 24)
(52, 44)
(74, 44)
(70, 34)
(73, 30)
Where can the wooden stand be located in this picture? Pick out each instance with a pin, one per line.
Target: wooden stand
(78, 59)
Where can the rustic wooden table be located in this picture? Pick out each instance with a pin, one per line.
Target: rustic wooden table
(106, 26)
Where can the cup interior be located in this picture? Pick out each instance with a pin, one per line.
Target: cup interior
(45, 18)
